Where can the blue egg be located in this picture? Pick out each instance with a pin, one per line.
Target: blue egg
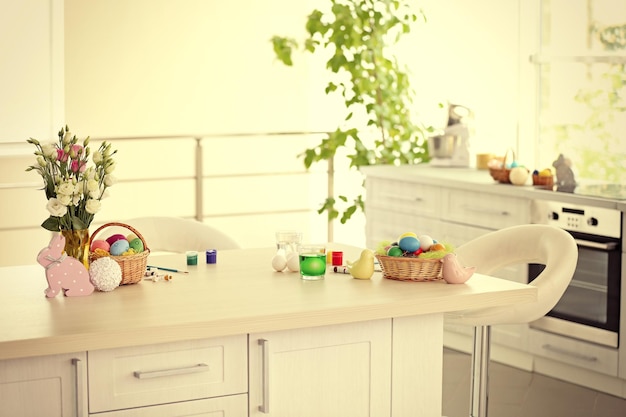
(409, 244)
(119, 247)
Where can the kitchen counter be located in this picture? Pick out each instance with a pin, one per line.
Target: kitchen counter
(238, 295)
(481, 181)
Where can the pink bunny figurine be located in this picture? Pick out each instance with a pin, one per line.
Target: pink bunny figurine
(63, 272)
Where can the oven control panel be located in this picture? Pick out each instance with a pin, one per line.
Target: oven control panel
(577, 218)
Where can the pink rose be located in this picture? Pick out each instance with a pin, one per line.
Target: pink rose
(61, 155)
(78, 166)
(75, 151)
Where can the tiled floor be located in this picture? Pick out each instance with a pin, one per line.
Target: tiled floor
(516, 393)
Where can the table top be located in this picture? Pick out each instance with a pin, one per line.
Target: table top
(239, 294)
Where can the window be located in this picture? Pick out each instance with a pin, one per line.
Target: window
(580, 80)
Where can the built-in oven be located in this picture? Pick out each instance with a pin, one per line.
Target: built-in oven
(590, 307)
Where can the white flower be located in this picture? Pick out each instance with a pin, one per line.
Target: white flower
(49, 150)
(109, 180)
(56, 208)
(97, 157)
(66, 188)
(64, 199)
(95, 194)
(76, 199)
(92, 206)
(92, 185)
(110, 168)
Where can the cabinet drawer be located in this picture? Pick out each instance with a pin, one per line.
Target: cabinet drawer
(230, 406)
(165, 373)
(485, 210)
(403, 197)
(573, 352)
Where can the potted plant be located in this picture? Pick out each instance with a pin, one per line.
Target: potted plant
(378, 127)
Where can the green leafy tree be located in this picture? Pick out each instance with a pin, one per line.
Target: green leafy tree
(358, 35)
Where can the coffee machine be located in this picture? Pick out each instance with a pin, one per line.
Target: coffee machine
(450, 148)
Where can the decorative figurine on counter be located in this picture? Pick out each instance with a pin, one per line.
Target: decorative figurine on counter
(63, 272)
(453, 272)
(363, 268)
(565, 180)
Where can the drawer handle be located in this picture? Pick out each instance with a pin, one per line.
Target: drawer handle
(486, 211)
(201, 367)
(78, 369)
(403, 198)
(575, 355)
(265, 351)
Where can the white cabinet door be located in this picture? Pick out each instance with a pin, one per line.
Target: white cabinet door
(50, 386)
(230, 406)
(341, 370)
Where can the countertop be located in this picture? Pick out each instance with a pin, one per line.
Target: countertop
(481, 181)
(238, 295)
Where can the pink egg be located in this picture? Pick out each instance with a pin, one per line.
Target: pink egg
(100, 244)
(114, 238)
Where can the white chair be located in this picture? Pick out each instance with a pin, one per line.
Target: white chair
(175, 234)
(531, 243)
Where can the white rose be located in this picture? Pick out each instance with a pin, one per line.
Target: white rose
(56, 208)
(49, 150)
(66, 188)
(92, 185)
(76, 199)
(95, 194)
(92, 206)
(109, 180)
(64, 199)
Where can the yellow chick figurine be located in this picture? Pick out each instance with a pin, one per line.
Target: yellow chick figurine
(363, 268)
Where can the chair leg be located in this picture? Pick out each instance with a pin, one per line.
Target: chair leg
(479, 381)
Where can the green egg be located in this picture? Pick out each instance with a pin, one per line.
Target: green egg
(394, 251)
(137, 245)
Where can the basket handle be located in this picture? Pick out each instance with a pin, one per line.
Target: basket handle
(508, 152)
(127, 226)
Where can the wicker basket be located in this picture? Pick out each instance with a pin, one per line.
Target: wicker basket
(543, 182)
(501, 174)
(410, 269)
(133, 266)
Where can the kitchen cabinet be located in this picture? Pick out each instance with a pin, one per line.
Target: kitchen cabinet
(51, 386)
(450, 214)
(339, 370)
(144, 376)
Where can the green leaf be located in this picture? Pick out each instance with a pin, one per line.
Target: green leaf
(52, 223)
(283, 48)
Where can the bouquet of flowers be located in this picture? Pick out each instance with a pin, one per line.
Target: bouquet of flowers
(73, 189)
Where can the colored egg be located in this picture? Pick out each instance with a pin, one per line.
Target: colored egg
(437, 246)
(426, 242)
(417, 252)
(394, 251)
(409, 243)
(410, 234)
(131, 236)
(99, 244)
(137, 245)
(119, 247)
(114, 238)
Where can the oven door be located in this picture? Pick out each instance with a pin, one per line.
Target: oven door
(590, 307)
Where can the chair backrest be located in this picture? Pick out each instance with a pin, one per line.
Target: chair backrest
(175, 234)
(530, 243)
